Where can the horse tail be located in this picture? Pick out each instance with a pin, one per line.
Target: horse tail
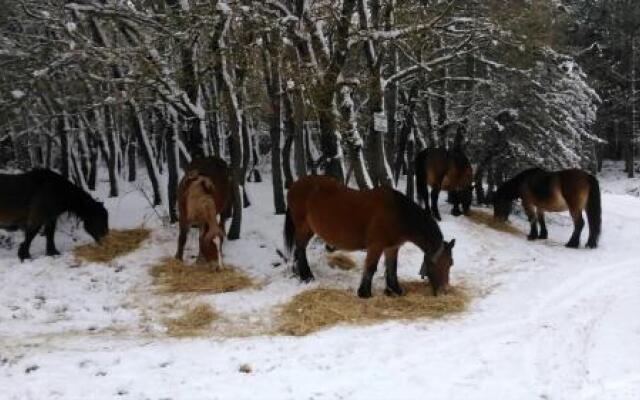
(289, 232)
(594, 209)
(421, 178)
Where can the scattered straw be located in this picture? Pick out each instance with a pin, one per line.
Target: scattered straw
(484, 218)
(117, 243)
(317, 309)
(341, 260)
(192, 322)
(173, 276)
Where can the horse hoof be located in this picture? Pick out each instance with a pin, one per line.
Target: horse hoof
(572, 245)
(364, 293)
(591, 245)
(53, 253)
(456, 213)
(532, 237)
(307, 279)
(393, 292)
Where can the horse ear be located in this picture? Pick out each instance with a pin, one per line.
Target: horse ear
(193, 173)
(451, 244)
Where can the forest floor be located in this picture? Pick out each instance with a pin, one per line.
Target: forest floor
(545, 322)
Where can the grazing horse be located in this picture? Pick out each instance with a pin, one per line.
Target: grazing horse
(197, 208)
(448, 170)
(34, 199)
(216, 169)
(540, 191)
(378, 220)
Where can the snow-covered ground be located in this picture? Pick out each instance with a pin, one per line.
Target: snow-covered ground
(547, 323)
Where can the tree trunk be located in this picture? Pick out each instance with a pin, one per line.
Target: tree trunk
(64, 145)
(271, 59)
(132, 152)
(147, 152)
(299, 134)
(353, 141)
(171, 132)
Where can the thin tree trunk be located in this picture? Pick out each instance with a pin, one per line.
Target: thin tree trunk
(147, 152)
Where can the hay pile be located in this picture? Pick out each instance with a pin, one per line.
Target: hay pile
(317, 309)
(485, 218)
(117, 243)
(341, 260)
(193, 322)
(173, 276)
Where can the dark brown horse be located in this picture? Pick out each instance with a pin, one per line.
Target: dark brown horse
(379, 221)
(196, 202)
(36, 198)
(540, 191)
(448, 170)
(197, 208)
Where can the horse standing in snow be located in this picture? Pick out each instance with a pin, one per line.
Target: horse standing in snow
(34, 199)
(378, 220)
(540, 191)
(448, 170)
(197, 208)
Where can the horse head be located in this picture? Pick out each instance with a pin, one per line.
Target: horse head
(502, 207)
(96, 221)
(437, 267)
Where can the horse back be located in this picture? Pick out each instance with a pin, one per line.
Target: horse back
(20, 192)
(218, 171)
(345, 218)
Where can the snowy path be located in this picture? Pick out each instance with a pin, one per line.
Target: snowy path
(554, 323)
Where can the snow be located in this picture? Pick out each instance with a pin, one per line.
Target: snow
(17, 94)
(547, 322)
(71, 27)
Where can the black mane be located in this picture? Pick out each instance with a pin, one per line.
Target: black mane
(510, 190)
(418, 221)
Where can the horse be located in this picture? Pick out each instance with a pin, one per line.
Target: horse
(34, 199)
(448, 170)
(216, 169)
(378, 220)
(197, 208)
(540, 190)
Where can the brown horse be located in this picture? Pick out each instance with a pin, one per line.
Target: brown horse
(540, 191)
(216, 169)
(36, 198)
(197, 208)
(448, 170)
(378, 220)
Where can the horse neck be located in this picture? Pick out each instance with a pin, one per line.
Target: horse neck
(425, 232)
(78, 202)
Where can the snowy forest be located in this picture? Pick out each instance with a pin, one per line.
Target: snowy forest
(126, 124)
(349, 88)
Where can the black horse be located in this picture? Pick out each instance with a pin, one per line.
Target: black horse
(34, 199)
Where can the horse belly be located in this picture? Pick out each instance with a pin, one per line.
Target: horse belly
(342, 236)
(555, 203)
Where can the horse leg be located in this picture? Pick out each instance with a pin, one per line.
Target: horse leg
(370, 266)
(391, 272)
(49, 231)
(531, 215)
(455, 199)
(29, 233)
(543, 226)
(578, 224)
(182, 239)
(303, 235)
(435, 192)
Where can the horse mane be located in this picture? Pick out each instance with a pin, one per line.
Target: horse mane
(417, 221)
(69, 196)
(510, 189)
